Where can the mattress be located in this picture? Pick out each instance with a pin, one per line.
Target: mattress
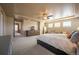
(58, 41)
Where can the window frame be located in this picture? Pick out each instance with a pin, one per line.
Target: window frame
(50, 25)
(67, 24)
(56, 24)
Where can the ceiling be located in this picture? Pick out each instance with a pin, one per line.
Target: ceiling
(30, 10)
(34, 10)
(8, 8)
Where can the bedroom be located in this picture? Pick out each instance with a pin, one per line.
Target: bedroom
(38, 29)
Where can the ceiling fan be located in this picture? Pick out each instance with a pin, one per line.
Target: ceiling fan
(45, 15)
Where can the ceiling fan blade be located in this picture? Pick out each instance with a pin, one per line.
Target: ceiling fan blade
(50, 15)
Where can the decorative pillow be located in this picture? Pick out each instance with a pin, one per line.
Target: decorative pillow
(68, 35)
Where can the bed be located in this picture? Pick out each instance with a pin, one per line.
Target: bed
(56, 43)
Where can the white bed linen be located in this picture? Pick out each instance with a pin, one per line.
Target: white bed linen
(59, 41)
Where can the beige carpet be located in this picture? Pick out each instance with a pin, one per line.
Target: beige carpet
(27, 46)
(38, 50)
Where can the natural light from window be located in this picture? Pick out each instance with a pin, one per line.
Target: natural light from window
(58, 24)
(67, 24)
(50, 25)
(78, 28)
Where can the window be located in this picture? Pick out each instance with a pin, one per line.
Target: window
(50, 25)
(57, 24)
(67, 24)
(78, 28)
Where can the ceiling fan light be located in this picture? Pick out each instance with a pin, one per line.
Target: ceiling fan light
(44, 14)
(44, 17)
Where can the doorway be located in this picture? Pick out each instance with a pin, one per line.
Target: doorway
(17, 28)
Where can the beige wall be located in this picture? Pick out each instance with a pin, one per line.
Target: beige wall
(9, 25)
(6, 24)
(28, 23)
(1, 23)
